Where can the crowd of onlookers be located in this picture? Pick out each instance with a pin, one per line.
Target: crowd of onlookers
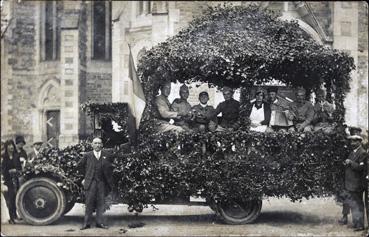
(266, 113)
(14, 159)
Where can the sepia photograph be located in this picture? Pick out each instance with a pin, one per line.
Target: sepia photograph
(184, 118)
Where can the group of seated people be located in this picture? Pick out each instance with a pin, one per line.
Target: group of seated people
(265, 114)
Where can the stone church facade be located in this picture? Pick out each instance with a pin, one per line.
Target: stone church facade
(56, 55)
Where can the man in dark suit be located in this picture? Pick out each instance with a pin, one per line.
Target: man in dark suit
(97, 182)
(355, 184)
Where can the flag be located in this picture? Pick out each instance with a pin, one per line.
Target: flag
(138, 98)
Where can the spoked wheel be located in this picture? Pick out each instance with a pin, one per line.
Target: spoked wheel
(40, 201)
(236, 213)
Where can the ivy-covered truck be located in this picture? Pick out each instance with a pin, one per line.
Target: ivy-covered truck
(231, 170)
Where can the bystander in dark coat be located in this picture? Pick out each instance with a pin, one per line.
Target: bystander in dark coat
(98, 182)
(11, 168)
(355, 183)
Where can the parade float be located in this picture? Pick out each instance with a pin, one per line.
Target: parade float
(232, 171)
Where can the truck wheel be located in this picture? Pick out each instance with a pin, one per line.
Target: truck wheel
(40, 201)
(236, 213)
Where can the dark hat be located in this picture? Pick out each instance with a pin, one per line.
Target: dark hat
(355, 131)
(272, 89)
(227, 88)
(259, 90)
(204, 93)
(19, 139)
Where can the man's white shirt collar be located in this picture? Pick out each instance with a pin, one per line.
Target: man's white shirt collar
(97, 154)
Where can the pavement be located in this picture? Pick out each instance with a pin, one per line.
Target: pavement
(279, 217)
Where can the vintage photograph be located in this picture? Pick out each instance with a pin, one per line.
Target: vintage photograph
(184, 118)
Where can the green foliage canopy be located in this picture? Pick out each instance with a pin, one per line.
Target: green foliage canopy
(243, 46)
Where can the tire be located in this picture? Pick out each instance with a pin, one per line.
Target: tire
(236, 213)
(40, 201)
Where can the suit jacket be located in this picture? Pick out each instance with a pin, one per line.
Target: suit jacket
(267, 112)
(355, 173)
(88, 162)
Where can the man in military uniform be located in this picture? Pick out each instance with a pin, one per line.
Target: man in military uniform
(303, 112)
(165, 113)
(323, 113)
(181, 105)
(203, 113)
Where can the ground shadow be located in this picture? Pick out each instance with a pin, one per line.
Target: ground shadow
(290, 217)
(200, 219)
(269, 217)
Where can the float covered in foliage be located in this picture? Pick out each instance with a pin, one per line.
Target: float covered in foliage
(237, 47)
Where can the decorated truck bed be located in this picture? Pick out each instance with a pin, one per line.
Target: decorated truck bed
(232, 170)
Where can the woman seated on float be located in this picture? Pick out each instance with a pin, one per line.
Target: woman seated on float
(259, 113)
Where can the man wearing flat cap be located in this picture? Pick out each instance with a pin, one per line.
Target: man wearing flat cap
(355, 184)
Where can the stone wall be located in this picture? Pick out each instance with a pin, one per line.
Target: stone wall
(20, 54)
(362, 66)
(363, 26)
(82, 44)
(98, 87)
(187, 11)
(323, 13)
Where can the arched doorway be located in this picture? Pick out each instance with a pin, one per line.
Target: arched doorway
(49, 112)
